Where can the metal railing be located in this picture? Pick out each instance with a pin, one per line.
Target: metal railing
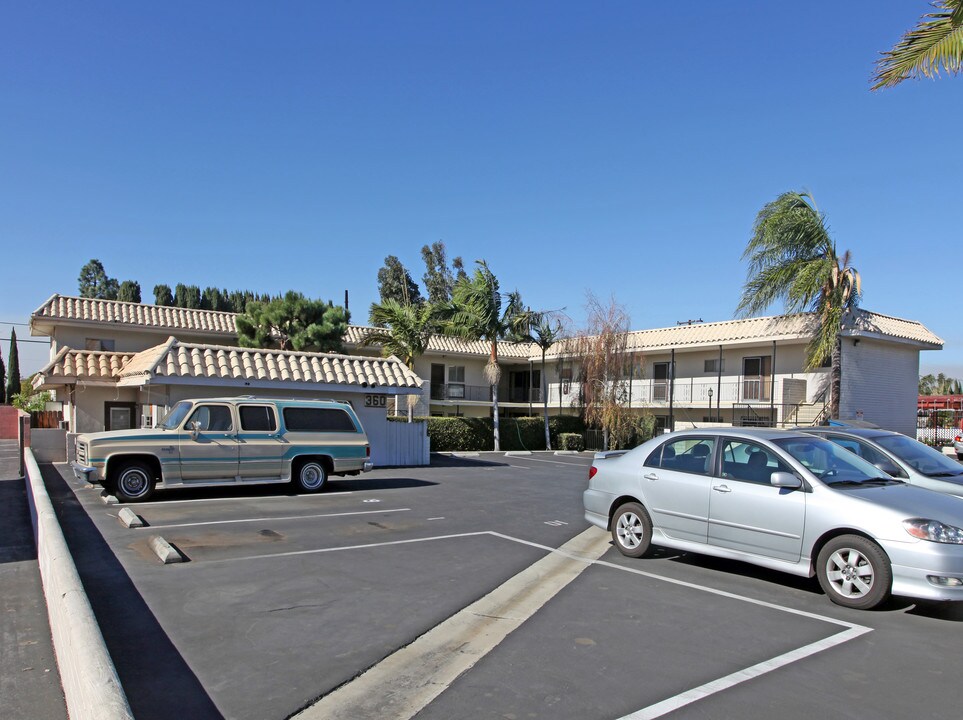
(483, 393)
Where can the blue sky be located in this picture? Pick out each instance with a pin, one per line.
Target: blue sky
(622, 148)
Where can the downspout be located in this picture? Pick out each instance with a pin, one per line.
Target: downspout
(719, 389)
(772, 387)
(671, 391)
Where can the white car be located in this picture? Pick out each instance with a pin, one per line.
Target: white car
(783, 500)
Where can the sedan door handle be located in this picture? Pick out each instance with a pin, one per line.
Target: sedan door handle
(651, 476)
(722, 488)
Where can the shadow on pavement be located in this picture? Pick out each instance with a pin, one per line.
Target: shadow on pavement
(16, 535)
(158, 683)
(438, 460)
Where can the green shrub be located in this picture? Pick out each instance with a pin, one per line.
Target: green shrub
(571, 441)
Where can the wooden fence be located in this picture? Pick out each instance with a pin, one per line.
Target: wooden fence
(46, 419)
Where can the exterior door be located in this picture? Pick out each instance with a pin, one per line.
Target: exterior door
(259, 445)
(756, 373)
(660, 381)
(747, 513)
(212, 454)
(675, 485)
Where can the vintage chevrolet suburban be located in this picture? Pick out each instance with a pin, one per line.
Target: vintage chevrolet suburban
(228, 441)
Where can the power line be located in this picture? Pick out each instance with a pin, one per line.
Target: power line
(20, 340)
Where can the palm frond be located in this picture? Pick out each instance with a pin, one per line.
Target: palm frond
(936, 42)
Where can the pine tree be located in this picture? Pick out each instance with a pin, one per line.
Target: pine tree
(94, 283)
(13, 378)
(129, 291)
(163, 295)
(3, 381)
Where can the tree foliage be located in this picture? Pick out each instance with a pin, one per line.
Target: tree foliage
(936, 42)
(94, 282)
(187, 296)
(129, 291)
(939, 384)
(292, 322)
(13, 372)
(544, 330)
(439, 279)
(793, 258)
(3, 381)
(395, 283)
(605, 368)
(163, 295)
(480, 311)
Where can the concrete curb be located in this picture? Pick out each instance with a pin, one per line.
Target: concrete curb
(517, 453)
(567, 452)
(129, 518)
(92, 689)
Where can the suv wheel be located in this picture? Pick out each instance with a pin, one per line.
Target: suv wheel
(311, 476)
(134, 482)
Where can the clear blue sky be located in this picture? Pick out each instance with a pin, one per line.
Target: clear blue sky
(619, 147)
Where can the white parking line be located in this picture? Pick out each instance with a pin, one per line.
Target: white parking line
(271, 519)
(412, 677)
(245, 498)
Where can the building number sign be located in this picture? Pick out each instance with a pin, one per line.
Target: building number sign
(378, 401)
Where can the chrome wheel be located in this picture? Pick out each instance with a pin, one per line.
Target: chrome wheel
(854, 571)
(850, 573)
(632, 530)
(312, 476)
(134, 482)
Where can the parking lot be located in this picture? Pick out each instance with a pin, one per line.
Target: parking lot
(472, 589)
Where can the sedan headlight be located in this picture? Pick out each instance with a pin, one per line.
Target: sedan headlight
(934, 531)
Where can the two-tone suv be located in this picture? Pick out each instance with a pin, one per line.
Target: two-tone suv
(228, 441)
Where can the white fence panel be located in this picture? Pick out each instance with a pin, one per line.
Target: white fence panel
(405, 445)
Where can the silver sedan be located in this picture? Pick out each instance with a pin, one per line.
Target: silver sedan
(786, 501)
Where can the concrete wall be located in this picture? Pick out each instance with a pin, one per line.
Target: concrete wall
(48, 445)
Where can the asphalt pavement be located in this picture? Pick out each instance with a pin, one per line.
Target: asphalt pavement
(29, 680)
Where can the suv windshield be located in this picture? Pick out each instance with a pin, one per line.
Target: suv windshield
(175, 416)
(831, 463)
(920, 457)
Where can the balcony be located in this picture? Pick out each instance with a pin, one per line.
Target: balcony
(458, 392)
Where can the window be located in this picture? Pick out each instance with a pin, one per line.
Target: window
(456, 381)
(714, 366)
(750, 462)
(692, 455)
(257, 418)
(212, 418)
(318, 420)
(119, 415)
(98, 344)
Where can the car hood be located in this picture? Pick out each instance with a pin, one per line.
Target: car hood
(910, 501)
(110, 435)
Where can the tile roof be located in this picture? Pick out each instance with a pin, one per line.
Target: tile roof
(175, 359)
(766, 329)
(87, 365)
(159, 317)
(449, 345)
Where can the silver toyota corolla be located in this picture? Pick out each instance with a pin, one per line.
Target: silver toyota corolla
(783, 500)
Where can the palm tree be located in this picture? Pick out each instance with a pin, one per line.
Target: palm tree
(404, 331)
(793, 258)
(936, 41)
(544, 331)
(939, 385)
(480, 311)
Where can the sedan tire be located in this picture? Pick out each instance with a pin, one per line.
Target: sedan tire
(632, 530)
(854, 572)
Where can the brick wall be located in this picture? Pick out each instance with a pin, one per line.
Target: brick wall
(10, 422)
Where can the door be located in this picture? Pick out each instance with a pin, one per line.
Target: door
(211, 454)
(756, 374)
(660, 381)
(675, 485)
(747, 513)
(437, 381)
(260, 447)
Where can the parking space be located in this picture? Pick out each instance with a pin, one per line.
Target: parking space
(286, 598)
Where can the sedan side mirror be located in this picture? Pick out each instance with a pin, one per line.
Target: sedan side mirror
(784, 480)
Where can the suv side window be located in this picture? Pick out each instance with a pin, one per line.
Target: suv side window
(212, 418)
(318, 420)
(257, 418)
(693, 455)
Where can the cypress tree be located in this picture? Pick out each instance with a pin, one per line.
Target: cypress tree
(13, 378)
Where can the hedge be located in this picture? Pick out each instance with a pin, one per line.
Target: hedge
(449, 434)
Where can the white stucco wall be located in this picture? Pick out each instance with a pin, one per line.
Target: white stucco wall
(882, 380)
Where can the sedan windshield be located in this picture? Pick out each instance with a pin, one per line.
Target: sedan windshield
(832, 464)
(920, 457)
(175, 416)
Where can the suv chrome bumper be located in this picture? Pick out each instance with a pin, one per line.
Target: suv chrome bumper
(86, 473)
